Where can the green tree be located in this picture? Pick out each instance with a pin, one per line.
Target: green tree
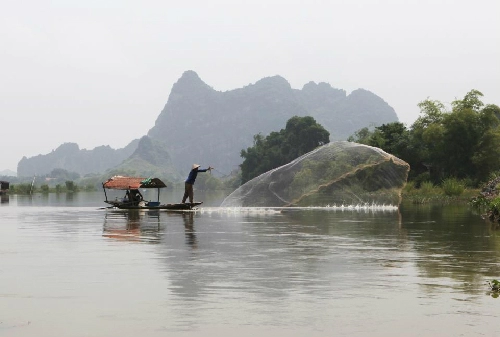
(362, 136)
(394, 138)
(71, 186)
(463, 143)
(301, 135)
(467, 144)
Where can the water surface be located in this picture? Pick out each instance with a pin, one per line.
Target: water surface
(68, 267)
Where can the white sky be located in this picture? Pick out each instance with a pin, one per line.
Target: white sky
(99, 72)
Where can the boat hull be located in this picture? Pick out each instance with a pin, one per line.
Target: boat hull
(171, 207)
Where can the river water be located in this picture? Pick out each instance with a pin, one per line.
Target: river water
(69, 267)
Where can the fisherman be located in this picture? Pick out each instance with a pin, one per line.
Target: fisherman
(135, 196)
(126, 199)
(188, 185)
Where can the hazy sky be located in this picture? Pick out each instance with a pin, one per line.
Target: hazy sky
(99, 72)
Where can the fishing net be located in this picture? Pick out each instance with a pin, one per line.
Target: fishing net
(338, 173)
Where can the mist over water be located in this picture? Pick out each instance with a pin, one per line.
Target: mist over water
(71, 268)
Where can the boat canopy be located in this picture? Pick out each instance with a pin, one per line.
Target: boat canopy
(132, 183)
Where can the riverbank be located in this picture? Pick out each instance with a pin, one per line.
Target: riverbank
(450, 191)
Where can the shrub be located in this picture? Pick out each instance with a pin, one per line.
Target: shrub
(23, 188)
(71, 186)
(426, 187)
(422, 178)
(409, 187)
(452, 187)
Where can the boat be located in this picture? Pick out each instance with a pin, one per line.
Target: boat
(133, 198)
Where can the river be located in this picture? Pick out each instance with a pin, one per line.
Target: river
(70, 267)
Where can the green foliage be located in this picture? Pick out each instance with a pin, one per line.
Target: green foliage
(301, 135)
(26, 188)
(421, 178)
(479, 202)
(71, 186)
(409, 187)
(431, 113)
(493, 207)
(426, 187)
(494, 285)
(22, 188)
(489, 200)
(362, 136)
(463, 143)
(471, 101)
(315, 173)
(452, 187)
(302, 181)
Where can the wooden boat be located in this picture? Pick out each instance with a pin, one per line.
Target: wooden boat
(133, 198)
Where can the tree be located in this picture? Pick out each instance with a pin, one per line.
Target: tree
(362, 136)
(393, 138)
(463, 143)
(301, 135)
(71, 186)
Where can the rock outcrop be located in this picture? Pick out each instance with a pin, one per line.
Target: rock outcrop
(200, 124)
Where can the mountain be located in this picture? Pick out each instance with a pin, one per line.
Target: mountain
(201, 125)
(150, 159)
(7, 173)
(70, 157)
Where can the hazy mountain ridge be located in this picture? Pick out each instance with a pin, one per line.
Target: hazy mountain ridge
(70, 157)
(150, 159)
(200, 124)
(7, 173)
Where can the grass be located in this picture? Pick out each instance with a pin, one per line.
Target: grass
(453, 187)
(450, 191)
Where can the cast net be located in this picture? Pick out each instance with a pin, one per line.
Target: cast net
(338, 173)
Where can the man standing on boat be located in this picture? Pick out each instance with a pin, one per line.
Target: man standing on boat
(188, 185)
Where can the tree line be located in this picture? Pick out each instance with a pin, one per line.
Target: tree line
(461, 143)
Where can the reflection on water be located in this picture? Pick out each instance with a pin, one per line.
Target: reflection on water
(453, 242)
(188, 218)
(417, 271)
(132, 225)
(145, 225)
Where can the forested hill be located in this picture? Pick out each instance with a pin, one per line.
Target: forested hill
(202, 125)
(70, 157)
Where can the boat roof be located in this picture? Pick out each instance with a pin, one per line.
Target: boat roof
(132, 183)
